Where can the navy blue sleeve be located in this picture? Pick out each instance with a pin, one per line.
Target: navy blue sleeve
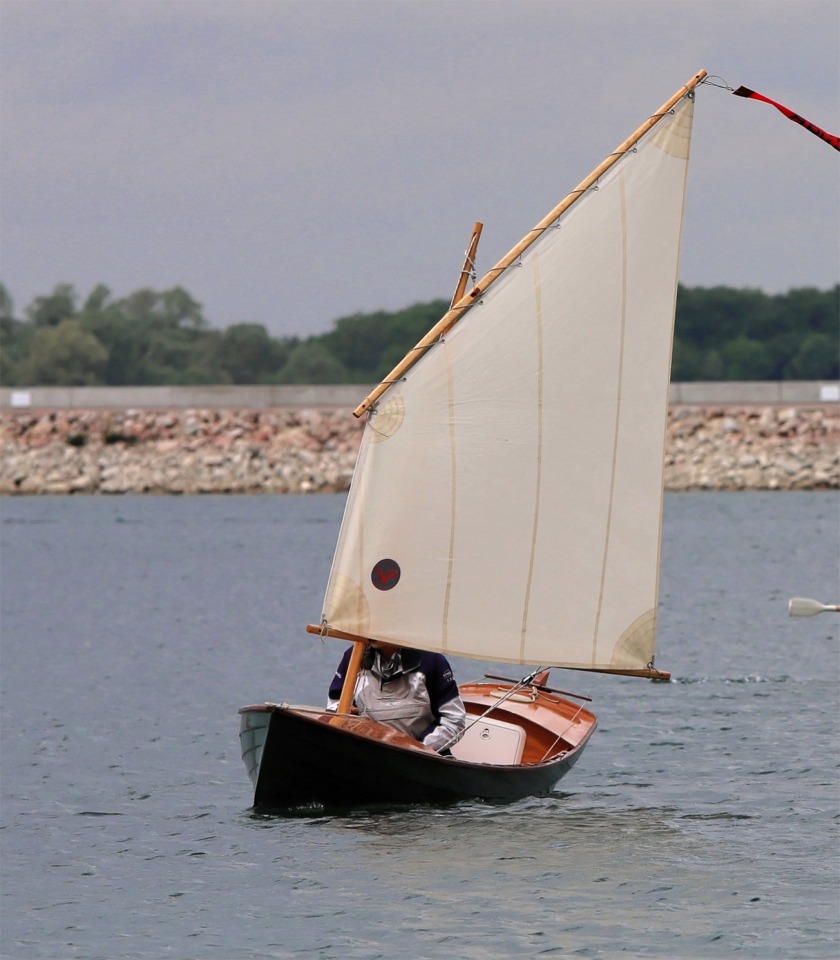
(340, 674)
(439, 681)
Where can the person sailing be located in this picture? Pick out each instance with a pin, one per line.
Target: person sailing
(412, 691)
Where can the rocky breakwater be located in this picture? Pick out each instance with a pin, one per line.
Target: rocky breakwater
(184, 451)
(310, 451)
(753, 448)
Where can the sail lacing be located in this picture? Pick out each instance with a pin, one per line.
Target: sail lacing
(419, 349)
(660, 116)
(398, 379)
(538, 232)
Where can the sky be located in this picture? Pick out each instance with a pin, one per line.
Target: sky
(290, 162)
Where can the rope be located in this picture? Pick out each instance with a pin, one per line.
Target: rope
(723, 85)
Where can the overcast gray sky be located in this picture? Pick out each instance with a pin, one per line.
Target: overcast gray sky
(292, 162)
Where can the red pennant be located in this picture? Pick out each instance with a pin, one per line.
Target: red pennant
(828, 137)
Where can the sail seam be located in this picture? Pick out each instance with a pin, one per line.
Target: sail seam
(453, 476)
(617, 424)
(688, 105)
(362, 514)
(539, 452)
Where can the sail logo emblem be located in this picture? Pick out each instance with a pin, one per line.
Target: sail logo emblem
(385, 575)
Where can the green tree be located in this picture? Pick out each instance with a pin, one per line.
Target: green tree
(205, 360)
(15, 338)
(311, 362)
(167, 309)
(154, 337)
(7, 307)
(808, 309)
(816, 359)
(369, 345)
(179, 309)
(685, 362)
(64, 355)
(10, 340)
(711, 367)
(125, 342)
(249, 355)
(745, 359)
(167, 358)
(97, 300)
(54, 309)
(161, 337)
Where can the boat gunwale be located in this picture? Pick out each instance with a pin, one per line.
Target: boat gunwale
(387, 737)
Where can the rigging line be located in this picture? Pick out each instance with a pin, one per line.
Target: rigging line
(469, 265)
(519, 685)
(660, 675)
(723, 85)
(560, 736)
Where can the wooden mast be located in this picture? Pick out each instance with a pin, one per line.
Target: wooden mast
(348, 688)
(451, 317)
(345, 701)
(469, 264)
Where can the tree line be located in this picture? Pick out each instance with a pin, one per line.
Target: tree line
(162, 338)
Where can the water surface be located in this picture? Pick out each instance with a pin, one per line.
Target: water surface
(701, 822)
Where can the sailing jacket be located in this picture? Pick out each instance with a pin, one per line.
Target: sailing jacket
(414, 693)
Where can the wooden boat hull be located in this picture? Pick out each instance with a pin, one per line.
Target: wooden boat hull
(298, 756)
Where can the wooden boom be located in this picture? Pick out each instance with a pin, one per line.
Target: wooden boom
(650, 673)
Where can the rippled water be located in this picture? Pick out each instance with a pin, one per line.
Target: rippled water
(701, 822)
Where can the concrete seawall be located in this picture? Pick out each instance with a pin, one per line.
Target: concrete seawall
(347, 396)
(304, 450)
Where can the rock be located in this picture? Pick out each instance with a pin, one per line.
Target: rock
(308, 451)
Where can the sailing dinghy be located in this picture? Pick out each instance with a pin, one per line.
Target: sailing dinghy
(507, 500)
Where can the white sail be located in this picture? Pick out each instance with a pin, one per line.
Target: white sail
(508, 492)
